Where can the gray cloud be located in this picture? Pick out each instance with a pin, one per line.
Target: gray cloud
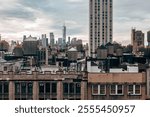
(128, 14)
(15, 13)
(20, 17)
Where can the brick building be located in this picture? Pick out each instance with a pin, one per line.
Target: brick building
(42, 86)
(72, 86)
(114, 86)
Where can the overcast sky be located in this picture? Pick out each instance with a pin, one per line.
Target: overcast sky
(36, 17)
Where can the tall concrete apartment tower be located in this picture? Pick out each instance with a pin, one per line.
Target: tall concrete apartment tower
(148, 38)
(137, 40)
(52, 39)
(100, 24)
(64, 36)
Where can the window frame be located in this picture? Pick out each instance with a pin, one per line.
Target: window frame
(99, 89)
(116, 89)
(74, 87)
(134, 90)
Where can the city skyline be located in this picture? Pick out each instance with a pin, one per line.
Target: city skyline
(24, 17)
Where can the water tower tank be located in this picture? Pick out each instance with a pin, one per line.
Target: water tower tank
(18, 51)
(119, 52)
(30, 46)
(4, 45)
(110, 48)
(102, 52)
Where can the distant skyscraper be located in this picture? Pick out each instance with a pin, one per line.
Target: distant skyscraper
(59, 41)
(43, 36)
(44, 40)
(52, 39)
(73, 41)
(148, 38)
(64, 35)
(101, 23)
(0, 37)
(137, 38)
(69, 40)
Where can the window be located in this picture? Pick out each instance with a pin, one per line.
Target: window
(23, 90)
(17, 88)
(30, 88)
(47, 87)
(47, 90)
(120, 89)
(95, 89)
(41, 87)
(116, 90)
(98, 89)
(65, 87)
(102, 89)
(5, 68)
(72, 88)
(113, 89)
(137, 89)
(54, 88)
(6, 88)
(78, 88)
(134, 89)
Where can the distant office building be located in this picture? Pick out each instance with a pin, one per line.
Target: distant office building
(64, 35)
(79, 45)
(137, 38)
(69, 40)
(79, 42)
(44, 40)
(101, 24)
(60, 41)
(43, 36)
(148, 38)
(52, 39)
(12, 45)
(73, 41)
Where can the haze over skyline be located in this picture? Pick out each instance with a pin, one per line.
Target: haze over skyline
(36, 17)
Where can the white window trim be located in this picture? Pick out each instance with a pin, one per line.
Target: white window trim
(98, 90)
(99, 86)
(116, 90)
(134, 91)
(93, 89)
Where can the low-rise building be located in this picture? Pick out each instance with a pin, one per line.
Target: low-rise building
(43, 86)
(116, 86)
(62, 85)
